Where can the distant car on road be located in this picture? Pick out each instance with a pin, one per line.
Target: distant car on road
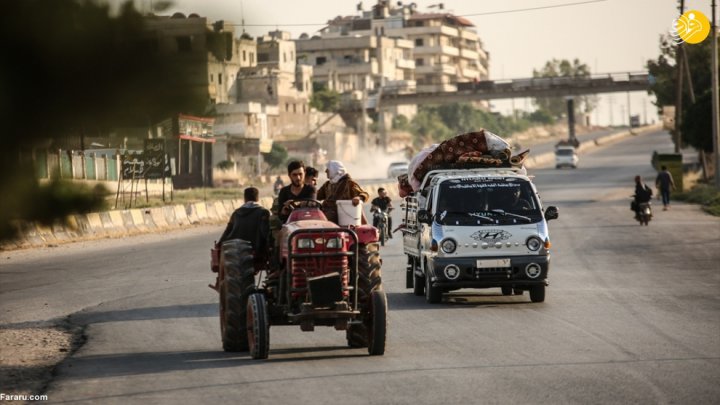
(396, 169)
(566, 156)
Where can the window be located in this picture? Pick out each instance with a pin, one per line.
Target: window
(211, 78)
(418, 42)
(294, 108)
(320, 60)
(284, 57)
(184, 43)
(287, 107)
(219, 78)
(263, 57)
(419, 62)
(252, 57)
(244, 55)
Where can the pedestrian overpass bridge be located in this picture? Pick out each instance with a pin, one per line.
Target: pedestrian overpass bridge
(519, 88)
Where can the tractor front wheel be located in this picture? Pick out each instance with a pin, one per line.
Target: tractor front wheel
(258, 332)
(377, 325)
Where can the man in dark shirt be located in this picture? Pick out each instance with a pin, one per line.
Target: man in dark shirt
(296, 190)
(384, 203)
(250, 222)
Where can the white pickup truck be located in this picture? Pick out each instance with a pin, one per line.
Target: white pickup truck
(477, 228)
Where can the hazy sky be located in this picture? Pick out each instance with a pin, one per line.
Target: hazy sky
(609, 36)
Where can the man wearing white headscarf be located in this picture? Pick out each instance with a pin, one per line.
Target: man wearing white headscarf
(340, 186)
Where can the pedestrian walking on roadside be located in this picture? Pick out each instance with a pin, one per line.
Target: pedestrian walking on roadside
(664, 182)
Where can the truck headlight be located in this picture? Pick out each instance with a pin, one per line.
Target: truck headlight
(448, 246)
(534, 243)
(305, 243)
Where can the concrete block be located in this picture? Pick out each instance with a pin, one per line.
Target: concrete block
(96, 224)
(181, 215)
(220, 209)
(158, 217)
(192, 213)
(211, 212)
(200, 210)
(117, 219)
(138, 219)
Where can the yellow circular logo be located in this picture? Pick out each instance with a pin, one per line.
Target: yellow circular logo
(692, 27)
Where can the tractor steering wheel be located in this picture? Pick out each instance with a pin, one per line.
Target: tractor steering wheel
(304, 203)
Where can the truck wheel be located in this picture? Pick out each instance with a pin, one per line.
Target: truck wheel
(409, 272)
(537, 293)
(258, 331)
(506, 290)
(433, 295)
(377, 327)
(237, 283)
(418, 284)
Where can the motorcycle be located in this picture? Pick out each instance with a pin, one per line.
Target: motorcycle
(380, 221)
(643, 213)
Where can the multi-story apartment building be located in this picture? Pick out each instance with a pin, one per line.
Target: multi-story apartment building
(345, 63)
(446, 48)
(208, 54)
(277, 80)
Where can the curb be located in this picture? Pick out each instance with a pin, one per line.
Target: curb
(548, 157)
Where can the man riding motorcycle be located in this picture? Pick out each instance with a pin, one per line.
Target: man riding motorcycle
(384, 203)
(643, 194)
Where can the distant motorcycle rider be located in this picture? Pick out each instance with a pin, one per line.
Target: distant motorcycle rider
(643, 194)
(384, 203)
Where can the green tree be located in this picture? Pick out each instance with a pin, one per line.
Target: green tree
(277, 156)
(323, 99)
(557, 106)
(696, 117)
(434, 124)
(70, 67)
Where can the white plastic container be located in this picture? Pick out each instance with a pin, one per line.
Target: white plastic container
(348, 214)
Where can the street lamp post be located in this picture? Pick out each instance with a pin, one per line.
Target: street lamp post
(715, 112)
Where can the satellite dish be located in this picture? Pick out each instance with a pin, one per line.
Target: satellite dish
(178, 15)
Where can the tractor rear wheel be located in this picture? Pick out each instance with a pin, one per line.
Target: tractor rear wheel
(237, 283)
(377, 326)
(258, 326)
(369, 280)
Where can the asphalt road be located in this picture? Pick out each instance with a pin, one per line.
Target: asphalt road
(632, 315)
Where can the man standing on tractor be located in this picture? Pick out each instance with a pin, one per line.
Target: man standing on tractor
(311, 175)
(251, 223)
(340, 186)
(296, 190)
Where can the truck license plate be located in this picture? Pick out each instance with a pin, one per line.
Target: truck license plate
(492, 263)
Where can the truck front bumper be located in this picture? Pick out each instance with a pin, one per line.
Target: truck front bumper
(455, 273)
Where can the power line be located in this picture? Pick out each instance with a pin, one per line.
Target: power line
(533, 8)
(518, 10)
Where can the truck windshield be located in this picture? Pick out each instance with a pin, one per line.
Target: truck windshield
(473, 201)
(564, 152)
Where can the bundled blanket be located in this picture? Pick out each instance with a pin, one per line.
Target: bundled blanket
(480, 148)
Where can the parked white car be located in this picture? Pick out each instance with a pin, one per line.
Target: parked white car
(396, 169)
(566, 156)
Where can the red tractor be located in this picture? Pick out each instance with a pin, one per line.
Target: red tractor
(321, 274)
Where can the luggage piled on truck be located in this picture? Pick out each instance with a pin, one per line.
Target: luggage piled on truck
(473, 149)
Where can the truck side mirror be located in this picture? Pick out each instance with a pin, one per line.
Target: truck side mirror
(424, 217)
(551, 212)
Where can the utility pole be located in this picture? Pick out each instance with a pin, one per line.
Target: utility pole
(677, 138)
(715, 112)
(629, 114)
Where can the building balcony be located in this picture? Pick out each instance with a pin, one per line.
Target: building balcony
(346, 68)
(405, 64)
(443, 30)
(437, 50)
(469, 54)
(436, 69)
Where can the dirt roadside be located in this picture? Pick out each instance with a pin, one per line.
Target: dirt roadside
(28, 356)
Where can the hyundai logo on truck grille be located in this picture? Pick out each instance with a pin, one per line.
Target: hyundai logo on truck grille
(491, 235)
